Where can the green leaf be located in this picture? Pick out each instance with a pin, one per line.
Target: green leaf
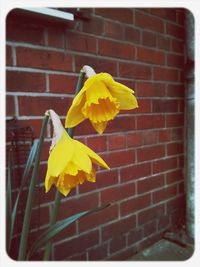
(58, 227)
(27, 169)
(9, 200)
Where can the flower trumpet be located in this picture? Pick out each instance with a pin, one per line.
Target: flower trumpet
(70, 162)
(100, 100)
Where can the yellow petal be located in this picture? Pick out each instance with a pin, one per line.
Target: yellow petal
(75, 115)
(60, 155)
(95, 158)
(49, 181)
(91, 177)
(64, 190)
(99, 126)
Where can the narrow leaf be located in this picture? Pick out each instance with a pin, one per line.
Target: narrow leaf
(9, 200)
(27, 169)
(58, 227)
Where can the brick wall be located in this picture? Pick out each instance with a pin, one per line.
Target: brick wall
(142, 48)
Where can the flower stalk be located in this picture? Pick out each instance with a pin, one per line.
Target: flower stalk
(28, 209)
(54, 213)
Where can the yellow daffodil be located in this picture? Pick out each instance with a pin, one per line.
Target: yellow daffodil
(100, 100)
(70, 162)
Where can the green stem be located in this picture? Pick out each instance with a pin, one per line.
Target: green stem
(27, 215)
(57, 200)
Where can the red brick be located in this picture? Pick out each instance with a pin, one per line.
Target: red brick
(94, 25)
(175, 120)
(117, 243)
(36, 106)
(164, 74)
(103, 179)
(144, 106)
(148, 89)
(56, 37)
(116, 14)
(78, 257)
(166, 13)
(120, 158)
(177, 46)
(62, 83)
(149, 153)
(120, 124)
(76, 245)
(113, 30)
(178, 134)
(135, 71)
(163, 42)
(117, 228)
(174, 148)
(150, 183)
(148, 39)
(81, 42)
(117, 193)
(10, 106)
(81, 203)
(135, 235)
(116, 142)
(97, 143)
(133, 139)
(175, 90)
(150, 121)
(164, 165)
(124, 254)
(134, 204)
(165, 106)
(164, 135)
(98, 253)
(151, 213)
(174, 176)
(149, 22)
(99, 218)
(163, 222)
(132, 34)
(26, 33)
(165, 193)
(9, 60)
(135, 172)
(175, 30)
(25, 81)
(98, 64)
(175, 61)
(150, 228)
(39, 217)
(116, 49)
(28, 57)
(150, 56)
(177, 203)
(150, 137)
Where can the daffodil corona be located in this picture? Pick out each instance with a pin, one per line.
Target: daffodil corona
(100, 100)
(70, 162)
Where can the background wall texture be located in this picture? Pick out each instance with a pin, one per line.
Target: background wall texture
(144, 49)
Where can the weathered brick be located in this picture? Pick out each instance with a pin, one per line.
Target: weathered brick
(165, 105)
(134, 204)
(165, 193)
(114, 30)
(97, 143)
(149, 153)
(149, 22)
(150, 228)
(176, 61)
(81, 42)
(28, 57)
(116, 142)
(98, 253)
(163, 42)
(10, 106)
(135, 171)
(117, 243)
(116, 49)
(117, 193)
(62, 83)
(116, 14)
(149, 39)
(36, 105)
(174, 176)
(149, 89)
(133, 139)
(76, 245)
(132, 34)
(164, 164)
(175, 30)
(25, 81)
(150, 121)
(119, 227)
(150, 56)
(165, 74)
(150, 183)
(174, 120)
(174, 148)
(150, 214)
(55, 37)
(9, 60)
(120, 158)
(135, 71)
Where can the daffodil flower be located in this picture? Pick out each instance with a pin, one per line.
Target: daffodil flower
(70, 162)
(100, 100)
